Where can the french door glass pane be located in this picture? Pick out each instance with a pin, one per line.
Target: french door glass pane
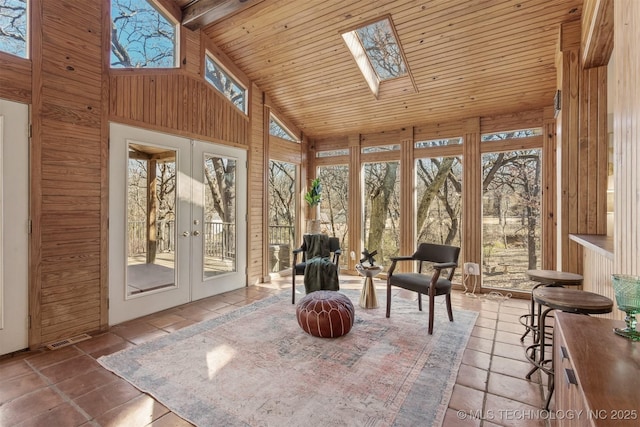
(334, 207)
(511, 218)
(151, 207)
(382, 210)
(282, 214)
(219, 216)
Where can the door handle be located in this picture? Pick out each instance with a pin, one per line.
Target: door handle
(185, 234)
(196, 233)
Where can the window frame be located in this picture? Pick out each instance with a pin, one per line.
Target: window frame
(159, 7)
(210, 55)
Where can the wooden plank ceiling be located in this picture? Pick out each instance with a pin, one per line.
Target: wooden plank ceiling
(467, 57)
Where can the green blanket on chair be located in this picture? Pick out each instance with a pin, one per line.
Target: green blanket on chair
(320, 273)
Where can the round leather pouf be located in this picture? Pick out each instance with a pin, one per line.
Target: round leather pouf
(325, 314)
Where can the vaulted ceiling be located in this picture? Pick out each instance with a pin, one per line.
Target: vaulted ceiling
(467, 57)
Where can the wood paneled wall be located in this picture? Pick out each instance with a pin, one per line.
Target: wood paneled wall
(626, 137)
(68, 180)
(74, 95)
(176, 103)
(582, 149)
(15, 78)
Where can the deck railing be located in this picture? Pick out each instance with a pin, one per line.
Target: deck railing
(219, 238)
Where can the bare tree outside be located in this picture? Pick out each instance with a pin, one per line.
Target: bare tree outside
(382, 209)
(282, 208)
(225, 84)
(13, 27)
(141, 36)
(334, 208)
(383, 50)
(511, 217)
(439, 200)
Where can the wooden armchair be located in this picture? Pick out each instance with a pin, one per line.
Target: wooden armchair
(443, 257)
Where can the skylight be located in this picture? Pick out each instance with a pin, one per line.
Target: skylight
(377, 53)
(382, 49)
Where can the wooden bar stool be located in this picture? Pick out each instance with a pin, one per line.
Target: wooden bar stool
(567, 300)
(545, 278)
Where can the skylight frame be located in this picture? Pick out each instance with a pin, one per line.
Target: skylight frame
(402, 83)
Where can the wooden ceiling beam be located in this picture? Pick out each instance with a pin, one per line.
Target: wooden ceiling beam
(201, 13)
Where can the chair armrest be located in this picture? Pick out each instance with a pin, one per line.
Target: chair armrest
(443, 265)
(338, 251)
(297, 251)
(401, 258)
(394, 261)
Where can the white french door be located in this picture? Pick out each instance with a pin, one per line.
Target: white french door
(14, 229)
(177, 221)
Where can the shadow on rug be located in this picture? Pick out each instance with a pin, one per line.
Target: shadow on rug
(255, 366)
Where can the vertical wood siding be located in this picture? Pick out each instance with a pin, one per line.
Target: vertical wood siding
(67, 281)
(582, 145)
(176, 103)
(626, 137)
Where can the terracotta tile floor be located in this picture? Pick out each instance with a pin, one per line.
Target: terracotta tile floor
(67, 387)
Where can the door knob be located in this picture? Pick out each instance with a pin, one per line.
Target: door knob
(185, 234)
(196, 233)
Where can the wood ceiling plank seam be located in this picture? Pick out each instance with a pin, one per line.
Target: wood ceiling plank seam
(313, 61)
(329, 51)
(264, 44)
(515, 60)
(471, 25)
(283, 10)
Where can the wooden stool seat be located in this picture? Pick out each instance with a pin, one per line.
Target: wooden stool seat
(545, 278)
(563, 299)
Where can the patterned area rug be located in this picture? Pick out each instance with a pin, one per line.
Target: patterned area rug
(256, 367)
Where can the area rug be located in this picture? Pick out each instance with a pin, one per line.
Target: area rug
(255, 366)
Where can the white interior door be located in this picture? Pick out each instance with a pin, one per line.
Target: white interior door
(14, 232)
(177, 230)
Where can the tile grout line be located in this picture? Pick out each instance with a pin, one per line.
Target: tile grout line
(63, 395)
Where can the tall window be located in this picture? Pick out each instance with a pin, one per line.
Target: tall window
(142, 36)
(511, 218)
(282, 214)
(439, 200)
(13, 27)
(382, 209)
(334, 208)
(219, 78)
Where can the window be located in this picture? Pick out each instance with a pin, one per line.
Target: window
(225, 83)
(511, 217)
(282, 214)
(377, 53)
(521, 133)
(333, 153)
(334, 208)
(438, 143)
(381, 216)
(278, 129)
(13, 27)
(380, 149)
(143, 36)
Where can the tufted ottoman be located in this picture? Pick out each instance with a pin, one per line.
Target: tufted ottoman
(325, 314)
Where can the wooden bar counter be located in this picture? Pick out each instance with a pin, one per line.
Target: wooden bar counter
(597, 373)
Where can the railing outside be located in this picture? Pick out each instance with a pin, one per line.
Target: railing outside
(219, 239)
